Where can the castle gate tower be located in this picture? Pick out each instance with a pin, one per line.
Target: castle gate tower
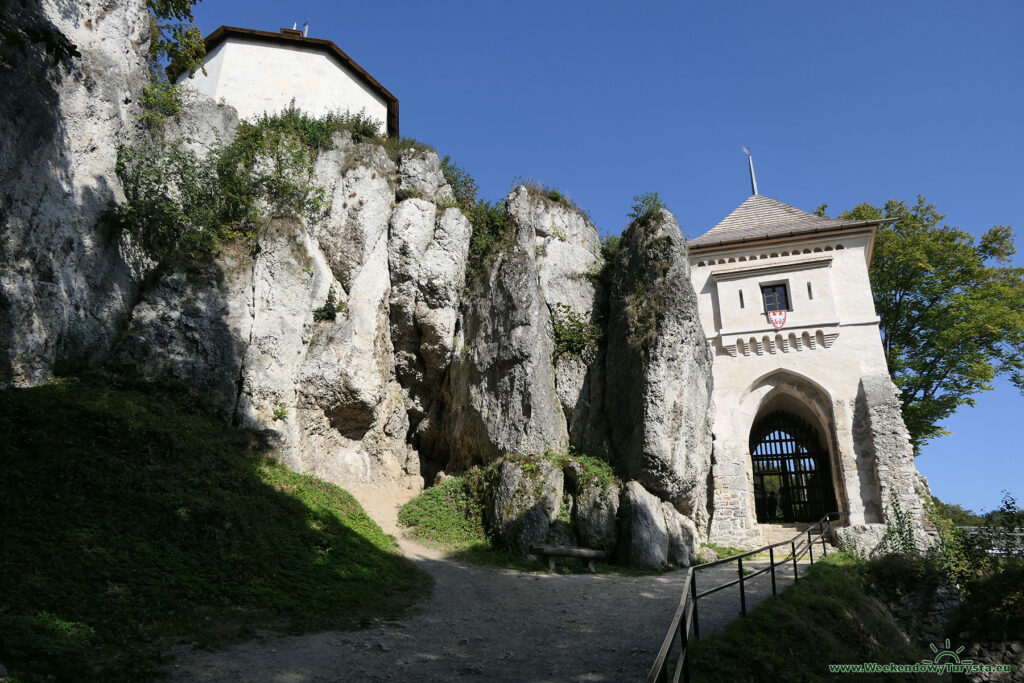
(799, 373)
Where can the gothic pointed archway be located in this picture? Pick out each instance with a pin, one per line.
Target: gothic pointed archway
(791, 470)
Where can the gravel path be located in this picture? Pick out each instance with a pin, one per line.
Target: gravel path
(494, 625)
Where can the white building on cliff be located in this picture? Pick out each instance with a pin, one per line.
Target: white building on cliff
(261, 71)
(806, 417)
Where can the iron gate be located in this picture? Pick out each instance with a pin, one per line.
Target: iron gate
(792, 474)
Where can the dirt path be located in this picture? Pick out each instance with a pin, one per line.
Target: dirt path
(485, 625)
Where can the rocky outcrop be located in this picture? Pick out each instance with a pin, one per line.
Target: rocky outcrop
(326, 391)
(420, 175)
(682, 536)
(594, 514)
(427, 258)
(567, 249)
(67, 285)
(524, 499)
(647, 536)
(503, 397)
(889, 482)
(658, 369)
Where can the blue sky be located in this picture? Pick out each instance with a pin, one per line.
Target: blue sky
(839, 103)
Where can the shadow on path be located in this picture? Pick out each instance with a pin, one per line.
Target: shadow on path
(494, 625)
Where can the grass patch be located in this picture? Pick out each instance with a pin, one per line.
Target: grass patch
(395, 146)
(723, 551)
(552, 194)
(448, 515)
(130, 516)
(829, 617)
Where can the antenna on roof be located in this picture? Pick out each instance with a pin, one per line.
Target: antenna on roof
(305, 29)
(753, 178)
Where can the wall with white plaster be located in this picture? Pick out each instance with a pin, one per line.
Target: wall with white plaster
(255, 77)
(830, 341)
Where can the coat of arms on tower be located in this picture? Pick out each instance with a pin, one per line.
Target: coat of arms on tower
(777, 319)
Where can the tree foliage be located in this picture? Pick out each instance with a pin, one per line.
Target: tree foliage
(951, 309)
(176, 44)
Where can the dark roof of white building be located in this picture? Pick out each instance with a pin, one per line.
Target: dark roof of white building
(761, 217)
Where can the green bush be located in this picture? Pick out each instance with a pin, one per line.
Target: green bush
(181, 206)
(899, 531)
(493, 233)
(594, 470)
(574, 334)
(646, 210)
(330, 309)
(993, 605)
(160, 101)
(173, 205)
(463, 185)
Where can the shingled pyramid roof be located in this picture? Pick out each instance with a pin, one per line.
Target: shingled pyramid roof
(760, 217)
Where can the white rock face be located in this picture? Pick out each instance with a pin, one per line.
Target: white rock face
(652, 533)
(427, 258)
(594, 515)
(658, 397)
(643, 537)
(326, 391)
(188, 326)
(503, 381)
(567, 249)
(66, 286)
(420, 176)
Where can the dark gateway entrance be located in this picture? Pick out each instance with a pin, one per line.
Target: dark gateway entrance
(792, 473)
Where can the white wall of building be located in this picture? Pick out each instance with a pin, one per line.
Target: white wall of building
(813, 365)
(255, 77)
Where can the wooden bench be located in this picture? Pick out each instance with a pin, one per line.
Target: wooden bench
(553, 551)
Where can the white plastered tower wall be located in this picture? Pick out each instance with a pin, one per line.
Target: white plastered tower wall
(258, 72)
(826, 364)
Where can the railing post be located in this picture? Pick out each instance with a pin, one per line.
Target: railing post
(796, 569)
(696, 615)
(824, 548)
(743, 593)
(810, 545)
(684, 652)
(771, 563)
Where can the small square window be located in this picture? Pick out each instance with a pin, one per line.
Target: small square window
(776, 298)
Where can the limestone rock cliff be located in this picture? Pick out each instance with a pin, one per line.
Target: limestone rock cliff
(414, 370)
(66, 285)
(658, 369)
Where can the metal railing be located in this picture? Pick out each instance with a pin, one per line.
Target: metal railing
(996, 540)
(687, 613)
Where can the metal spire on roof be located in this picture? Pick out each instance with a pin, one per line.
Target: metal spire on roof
(753, 178)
